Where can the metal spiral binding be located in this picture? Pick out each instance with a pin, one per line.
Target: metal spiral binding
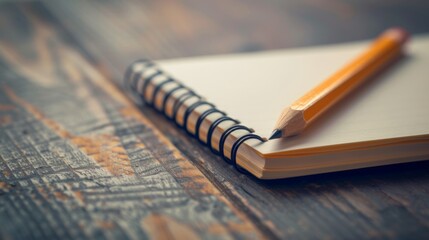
(135, 76)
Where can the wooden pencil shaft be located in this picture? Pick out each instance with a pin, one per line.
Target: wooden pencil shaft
(344, 81)
(306, 109)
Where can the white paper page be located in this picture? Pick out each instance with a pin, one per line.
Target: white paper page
(255, 88)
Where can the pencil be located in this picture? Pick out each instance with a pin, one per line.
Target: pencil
(384, 50)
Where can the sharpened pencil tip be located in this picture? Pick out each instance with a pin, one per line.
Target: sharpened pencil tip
(276, 134)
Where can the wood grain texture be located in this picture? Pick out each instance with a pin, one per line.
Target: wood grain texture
(78, 160)
(388, 202)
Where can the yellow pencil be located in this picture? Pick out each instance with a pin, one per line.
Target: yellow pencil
(295, 118)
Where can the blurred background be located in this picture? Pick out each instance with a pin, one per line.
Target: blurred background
(121, 31)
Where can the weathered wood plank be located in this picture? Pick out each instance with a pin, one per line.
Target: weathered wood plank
(78, 160)
(387, 202)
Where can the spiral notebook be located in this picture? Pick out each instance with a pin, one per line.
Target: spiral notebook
(230, 104)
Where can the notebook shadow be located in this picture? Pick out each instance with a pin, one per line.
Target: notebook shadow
(396, 174)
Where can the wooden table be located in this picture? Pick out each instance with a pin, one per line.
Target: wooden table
(79, 160)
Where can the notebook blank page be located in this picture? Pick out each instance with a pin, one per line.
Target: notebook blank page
(255, 88)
